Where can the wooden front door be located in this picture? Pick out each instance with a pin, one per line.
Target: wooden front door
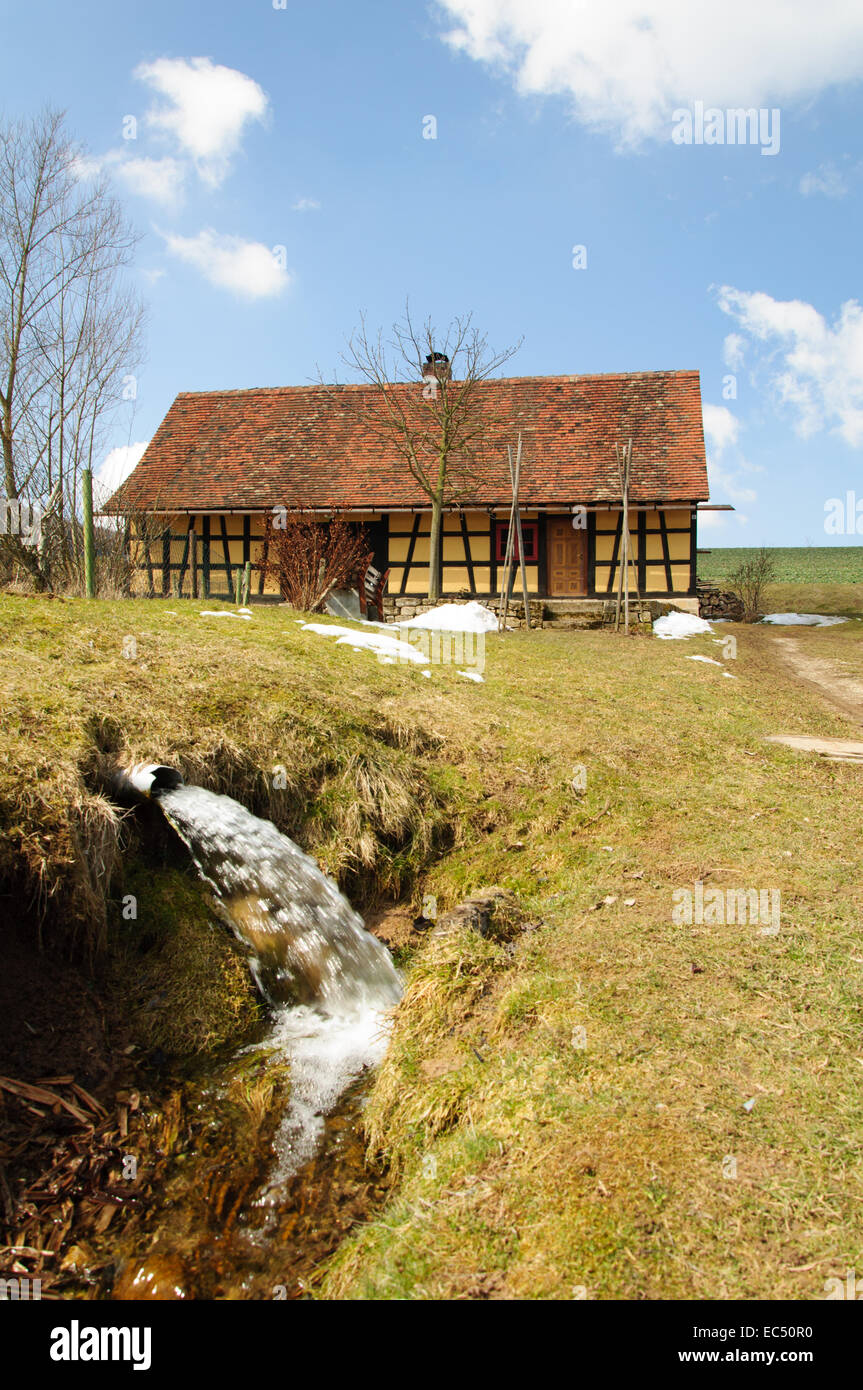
(567, 558)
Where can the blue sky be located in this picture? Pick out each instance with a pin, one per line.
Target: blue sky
(302, 128)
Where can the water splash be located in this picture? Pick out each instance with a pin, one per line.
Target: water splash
(332, 984)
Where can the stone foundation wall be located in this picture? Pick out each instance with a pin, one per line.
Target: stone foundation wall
(400, 608)
(579, 614)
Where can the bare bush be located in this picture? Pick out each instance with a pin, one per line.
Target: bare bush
(749, 581)
(308, 556)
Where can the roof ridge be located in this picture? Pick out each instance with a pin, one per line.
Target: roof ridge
(494, 380)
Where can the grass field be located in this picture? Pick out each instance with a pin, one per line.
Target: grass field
(840, 564)
(821, 579)
(608, 1102)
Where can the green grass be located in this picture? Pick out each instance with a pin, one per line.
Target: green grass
(524, 1165)
(230, 703)
(840, 564)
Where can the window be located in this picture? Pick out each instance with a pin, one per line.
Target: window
(530, 539)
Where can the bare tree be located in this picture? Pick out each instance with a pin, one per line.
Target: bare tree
(71, 332)
(749, 580)
(437, 421)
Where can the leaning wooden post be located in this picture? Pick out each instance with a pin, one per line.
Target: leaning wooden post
(522, 566)
(193, 561)
(89, 541)
(507, 571)
(621, 546)
(626, 542)
(247, 582)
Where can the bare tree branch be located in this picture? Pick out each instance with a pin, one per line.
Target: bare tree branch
(427, 403)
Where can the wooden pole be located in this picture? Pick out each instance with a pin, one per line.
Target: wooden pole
(89, 542)
(193, 561)
(620, 547)
(522, 566)
(626, 542)
(507, 562)
(247, 582)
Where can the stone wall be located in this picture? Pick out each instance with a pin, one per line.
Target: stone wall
(579, 614)
(400, 608)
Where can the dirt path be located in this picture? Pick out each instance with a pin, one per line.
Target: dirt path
(844, 693)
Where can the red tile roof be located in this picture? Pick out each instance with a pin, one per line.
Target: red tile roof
(307, 446)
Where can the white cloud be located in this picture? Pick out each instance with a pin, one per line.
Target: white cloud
(734, 351)
(627, 65)
(246, 268)
(721, 428)
(206, 109)
(159, 179)
(725, 463)
(115, 469)
(306, 205)
(811, 367)
(826, 180)
(727, 481)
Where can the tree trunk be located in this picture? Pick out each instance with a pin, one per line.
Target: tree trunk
(435, 548)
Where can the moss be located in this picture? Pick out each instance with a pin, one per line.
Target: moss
(179, 978)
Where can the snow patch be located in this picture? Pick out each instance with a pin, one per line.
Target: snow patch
(456, 617)
(376, 641)
(675, 626)
(802, 619)
(225, 613)
(470, 676)
(708, 660)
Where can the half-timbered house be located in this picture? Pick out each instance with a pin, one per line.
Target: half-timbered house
(221, 461)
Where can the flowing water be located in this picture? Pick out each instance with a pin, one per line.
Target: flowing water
(330, 982)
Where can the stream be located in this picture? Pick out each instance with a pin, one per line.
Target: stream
(233, 1224)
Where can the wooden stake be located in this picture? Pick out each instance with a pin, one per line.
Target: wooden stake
(507, 564)
(193, 561)
(522, 566)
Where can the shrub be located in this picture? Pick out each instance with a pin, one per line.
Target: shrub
(309, 557)
(749, 580)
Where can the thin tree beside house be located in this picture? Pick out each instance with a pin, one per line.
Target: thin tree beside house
(437, 427)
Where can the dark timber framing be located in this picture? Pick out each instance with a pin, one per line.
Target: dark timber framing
(666, 553)
(415, 530)
(618, 536)
(205, 555)
(173, 572)
(465, 535)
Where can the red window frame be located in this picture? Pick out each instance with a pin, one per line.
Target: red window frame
(530, 536)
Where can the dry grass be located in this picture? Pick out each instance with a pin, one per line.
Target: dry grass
(263, 714)
(528, 1165)
(845, 599)
(523, 1162)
